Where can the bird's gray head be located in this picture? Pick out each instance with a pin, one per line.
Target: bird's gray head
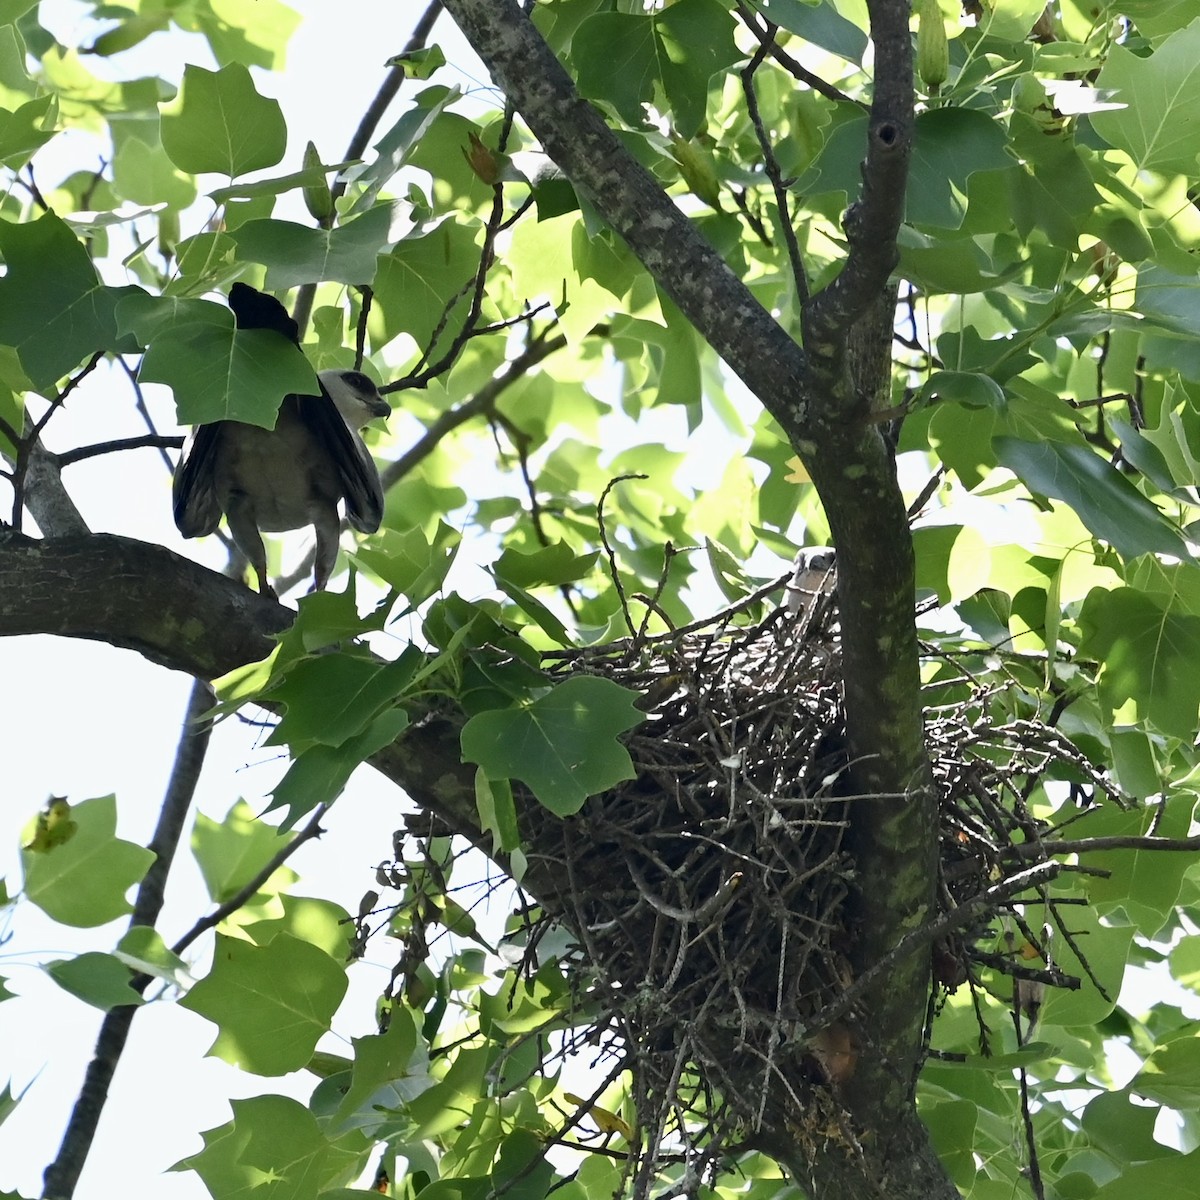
(814, 576)
(355, 396)
(815, 558)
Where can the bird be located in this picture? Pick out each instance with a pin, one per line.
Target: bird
(288, 477)
(815, 575)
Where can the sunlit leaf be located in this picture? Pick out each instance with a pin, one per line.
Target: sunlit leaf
(82, 881)
(219, 122)
(270, 1003)
(1160, 95)
(563, 745)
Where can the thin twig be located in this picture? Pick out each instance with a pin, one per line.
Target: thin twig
(1098, 844)
(361, 139)
(245, 894)
(766, 37)
(612, 557)
(770, 162)
(483, 400)
(80, 453)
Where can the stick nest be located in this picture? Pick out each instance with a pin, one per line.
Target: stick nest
(708, 892)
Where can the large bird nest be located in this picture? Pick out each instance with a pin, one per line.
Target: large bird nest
(707, 895)
(708, 892)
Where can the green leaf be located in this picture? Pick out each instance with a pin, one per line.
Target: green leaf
(820, 24)
(622, 58)
(320, 773)
(952, 144)
(220, 123)
(83, 880)
(219, 373)
(273, 1149)
(129, 33)
(379, 1059)
(522, 1171)
(420, 281)
(312, 175)
(53, 308)
(142, 949)
(321, 923)
(1011, 19)
(142, 172)
(563, 745)
(1148, 656)
(294, 254)
(1171, 1075)
(23, 132)
(1185, 961)
(952, 1127)
(1160, 98)
(271, 1003)
(8, 1102)
(410, 562)
(1144, 884)
(497, 812)
(419, 64)
(537, 612)
(1106, 948)
(232, 852)
(254, 34)
(1107, 503)
(333, 697)
(1172, 441)
(1121, 1129)
(423, 129)
(548, 566)
(100, 980)
(973, 389)
(1172, 1178)
(449, 1102)
(958, 266)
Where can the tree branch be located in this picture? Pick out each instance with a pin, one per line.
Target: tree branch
(136, 596)
(682, 262)
(483, 400)
(62, 1175)
(157, 441)
(873, 220)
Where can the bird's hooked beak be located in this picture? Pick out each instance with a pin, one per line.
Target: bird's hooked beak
(355, 396)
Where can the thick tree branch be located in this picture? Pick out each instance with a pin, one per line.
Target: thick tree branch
(136, 596)
(873, 220)
(683, 264)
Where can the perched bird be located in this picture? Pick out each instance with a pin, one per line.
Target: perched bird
(815, 576)
(286, 477)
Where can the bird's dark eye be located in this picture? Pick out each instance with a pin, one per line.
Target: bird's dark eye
(358, 381)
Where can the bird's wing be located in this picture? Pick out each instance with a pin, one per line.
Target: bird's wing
(355, 467)
(193, 497)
